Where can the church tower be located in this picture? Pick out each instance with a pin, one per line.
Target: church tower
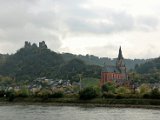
(120, 63)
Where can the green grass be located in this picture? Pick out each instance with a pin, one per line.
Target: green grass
(90, 82)
(93, 102)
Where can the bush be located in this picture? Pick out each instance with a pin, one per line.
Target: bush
(58, 94)
(22, 93)
(120, 96)
(10, 95)
(108, 87)
(72, 95)
(155, 93)
(88, 93)
(108, 95)
(2, 93)
(44, 93)
(144, 89)
(122, 90)
(132, 96)
(147, 96)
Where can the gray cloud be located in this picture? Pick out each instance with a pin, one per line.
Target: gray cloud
(147, 23)
(107, 50)
(53, 20)
(18, 23)
(111, 22)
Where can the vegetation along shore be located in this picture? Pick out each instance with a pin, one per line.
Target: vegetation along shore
(108, 96)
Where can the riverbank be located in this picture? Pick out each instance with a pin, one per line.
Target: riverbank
(98, 102)
(82, 105)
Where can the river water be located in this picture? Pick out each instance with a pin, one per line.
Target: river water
(40, 112)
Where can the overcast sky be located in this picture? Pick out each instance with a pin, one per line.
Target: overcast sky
(95, 27)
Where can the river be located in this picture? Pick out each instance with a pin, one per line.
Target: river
(42, 112)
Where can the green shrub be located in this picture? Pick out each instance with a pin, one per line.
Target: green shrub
(147, 96)
(2, 93)
(10, 95)
(108, 87)
(58, 94)
(23, 93)
(144, 88)
(88, 93)
(123, 90)
(155, 93)
(131, 96)
(98, 91)
(108, 95)
(44, 93)
(120, 96)
(71, 95)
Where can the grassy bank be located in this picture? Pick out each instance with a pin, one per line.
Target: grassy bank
(98, 102)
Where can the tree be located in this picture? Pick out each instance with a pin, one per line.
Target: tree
(109, 87)
(155, 93)
(144, 89)
(122, 90)
(88, 93)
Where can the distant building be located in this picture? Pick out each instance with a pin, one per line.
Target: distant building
(117, 74)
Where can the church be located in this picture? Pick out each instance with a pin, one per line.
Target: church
(117, 74)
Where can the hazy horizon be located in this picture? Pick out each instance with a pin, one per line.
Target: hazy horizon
(83, 26)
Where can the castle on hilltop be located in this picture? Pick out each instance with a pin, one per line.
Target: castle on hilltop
(42, 45)
(117, 74)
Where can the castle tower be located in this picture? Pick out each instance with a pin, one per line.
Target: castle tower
(42, 45)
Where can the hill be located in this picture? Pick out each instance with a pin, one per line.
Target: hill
(94, 60)
(148, 72)
(75, 68)
(149, 67)
(32, 61)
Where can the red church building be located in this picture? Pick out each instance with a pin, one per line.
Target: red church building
(117, 74)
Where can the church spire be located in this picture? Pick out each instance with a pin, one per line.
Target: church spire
(120, 56)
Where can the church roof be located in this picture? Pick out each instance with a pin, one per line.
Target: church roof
(112, 69)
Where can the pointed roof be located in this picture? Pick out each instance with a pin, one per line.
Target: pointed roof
(120, 55)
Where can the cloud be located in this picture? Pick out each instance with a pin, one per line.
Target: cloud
(19, 23)
(81, 26)
(107, 50)
(88, 21)
(147, 23)
(111, 22)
